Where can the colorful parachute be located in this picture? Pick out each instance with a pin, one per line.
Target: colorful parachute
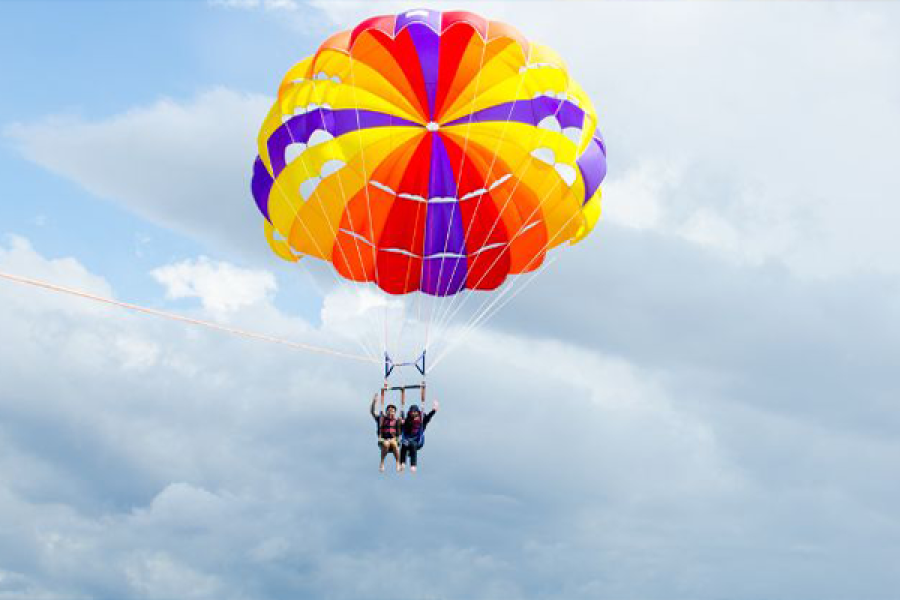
(431, 152)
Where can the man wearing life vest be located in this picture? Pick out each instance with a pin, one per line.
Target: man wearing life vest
(388, 431)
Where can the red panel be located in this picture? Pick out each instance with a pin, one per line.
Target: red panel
(453, 17)
(487, 269)
(405, 227)
(453, 46)
(404, 51)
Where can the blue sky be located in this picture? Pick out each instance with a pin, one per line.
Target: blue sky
(698, 402)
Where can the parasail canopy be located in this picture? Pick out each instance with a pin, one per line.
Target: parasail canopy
(429, 151)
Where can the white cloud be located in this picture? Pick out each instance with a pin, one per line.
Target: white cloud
(221, 287)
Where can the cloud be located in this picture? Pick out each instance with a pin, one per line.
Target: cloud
(182, 165)
(677, 409)
(728, 127)
(734, 140)
(188, 460)
(221, 287)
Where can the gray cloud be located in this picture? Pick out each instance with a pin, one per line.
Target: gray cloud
(184, 166)
(219, 467)
(658, 417)
(826, 348)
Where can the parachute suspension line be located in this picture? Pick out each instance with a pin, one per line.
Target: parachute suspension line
(343, 192)
(482, 317)
(442, 322)
(512, 281)
(402, 325)
(462, 162)
(182, 319)
(448, 316)
(371, 236)
(365, 347)
(359, 341)
(482, 313)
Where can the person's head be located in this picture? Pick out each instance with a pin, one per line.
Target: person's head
(414, 411)
(391, 411)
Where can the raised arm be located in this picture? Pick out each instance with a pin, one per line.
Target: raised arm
(375, 399)
(430, 414)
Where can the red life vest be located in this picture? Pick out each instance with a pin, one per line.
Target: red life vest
(389, 428)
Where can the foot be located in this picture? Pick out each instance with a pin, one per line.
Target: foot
(413, 468)
(401, 467)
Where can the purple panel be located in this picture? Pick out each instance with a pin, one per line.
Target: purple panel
(431, 18)
(521, 112)
(528, 111)
(261, 185)
(426, 42)
(442, 276)
(441, 180)
(569, 115)
(298, 129)
(592, 164)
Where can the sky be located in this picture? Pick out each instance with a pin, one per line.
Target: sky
(697, 402)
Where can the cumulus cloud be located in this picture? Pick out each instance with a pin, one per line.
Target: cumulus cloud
(651, 420)
(221, 287)
(226, 468)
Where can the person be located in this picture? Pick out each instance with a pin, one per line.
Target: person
(388, 431)
(412, 434)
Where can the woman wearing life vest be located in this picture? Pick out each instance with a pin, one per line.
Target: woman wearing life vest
(388, 431)
(413, 433)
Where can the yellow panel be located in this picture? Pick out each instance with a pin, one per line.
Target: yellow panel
(279, 247)
(310, 225)
(510, 139)
(591, 213)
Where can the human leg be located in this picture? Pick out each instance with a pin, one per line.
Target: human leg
(413, 456)
(384, 452)
(395, 450)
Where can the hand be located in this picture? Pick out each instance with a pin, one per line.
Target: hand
(436, 405)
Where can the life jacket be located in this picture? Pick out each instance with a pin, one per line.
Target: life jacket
(388, 428)
(414, 428)
(414, 431)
